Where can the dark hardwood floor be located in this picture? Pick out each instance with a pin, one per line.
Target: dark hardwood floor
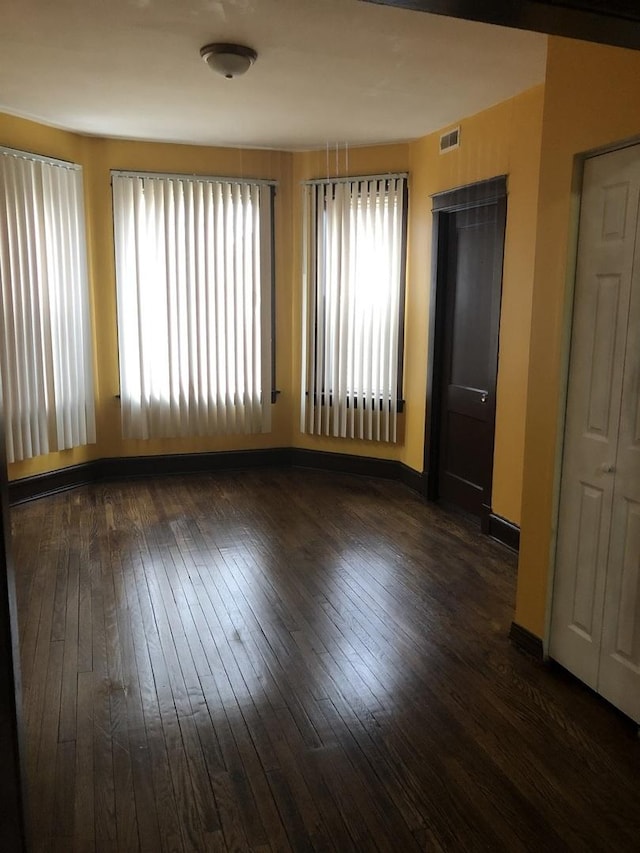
(292, 660)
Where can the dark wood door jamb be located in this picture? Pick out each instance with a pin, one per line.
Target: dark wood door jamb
(444, 204)
(12, 799)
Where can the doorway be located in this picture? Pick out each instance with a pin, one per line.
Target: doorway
(595, 617)
(468, 248)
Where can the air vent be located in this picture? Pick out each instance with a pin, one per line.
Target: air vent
(450, 140)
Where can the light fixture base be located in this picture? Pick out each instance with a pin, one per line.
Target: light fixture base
(230, 60)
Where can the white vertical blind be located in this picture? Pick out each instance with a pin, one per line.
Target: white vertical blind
(353, 236)
(46, 359)
(194, 274)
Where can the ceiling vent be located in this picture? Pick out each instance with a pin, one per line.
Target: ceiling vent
(450, 140)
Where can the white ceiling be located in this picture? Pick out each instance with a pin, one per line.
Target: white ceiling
(328, 71)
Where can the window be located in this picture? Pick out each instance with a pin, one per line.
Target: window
(353, 306)
(46, 358)
(194, 285)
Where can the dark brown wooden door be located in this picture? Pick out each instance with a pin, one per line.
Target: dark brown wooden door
(470, 252)
(12, 827)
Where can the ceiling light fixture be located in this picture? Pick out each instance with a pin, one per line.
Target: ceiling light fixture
(230, 60)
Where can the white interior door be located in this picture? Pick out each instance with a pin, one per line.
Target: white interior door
(599, 491)
(619, 675)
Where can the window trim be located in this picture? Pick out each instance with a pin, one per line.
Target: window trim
(313, 206)
(195, 177)
(23, 154)
(192, 177)
(83, 434)
(352, 400)
(352, 179)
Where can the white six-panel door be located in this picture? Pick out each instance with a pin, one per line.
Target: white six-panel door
(595, 621)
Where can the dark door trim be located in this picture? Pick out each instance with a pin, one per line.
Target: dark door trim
(493, 191)
(12, 811)
(615, 22)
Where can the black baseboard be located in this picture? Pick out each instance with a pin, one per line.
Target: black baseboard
(413, 479)
(41, 485)
(387, 469)
(504, 531)
(525, 640)
(129, 467)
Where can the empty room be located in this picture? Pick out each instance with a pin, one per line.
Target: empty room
(319, 426)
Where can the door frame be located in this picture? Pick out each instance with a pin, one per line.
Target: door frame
(579, 161)
(13, 830)
(479, 194)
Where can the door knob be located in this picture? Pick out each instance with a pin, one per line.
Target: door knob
(607, 468)
(483, 397)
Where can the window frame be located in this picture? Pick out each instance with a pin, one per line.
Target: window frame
(70, 415)
(353, 399)
(270, 395)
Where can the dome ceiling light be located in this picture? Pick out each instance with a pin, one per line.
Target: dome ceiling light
(230, 60)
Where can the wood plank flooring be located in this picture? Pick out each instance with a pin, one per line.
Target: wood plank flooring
(291, 660)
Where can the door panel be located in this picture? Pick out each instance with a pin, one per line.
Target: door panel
(471, 259)
(474, 250)
(602, 354)
(595, 608)
(619, 679)
(586, 568)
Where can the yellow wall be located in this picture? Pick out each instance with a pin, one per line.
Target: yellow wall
(592, 100)
(501, 140)
(98, 157)
(109, 154)
(50, 142)
(309, 165)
